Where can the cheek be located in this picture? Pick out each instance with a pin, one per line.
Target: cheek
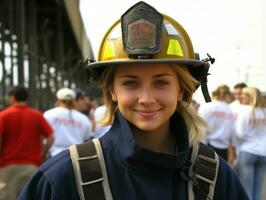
(177, 91)
(172, 94)
(125, 99)
(168, 97)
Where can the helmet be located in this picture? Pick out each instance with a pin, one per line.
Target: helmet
(143, 35)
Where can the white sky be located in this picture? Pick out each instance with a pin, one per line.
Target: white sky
(232, 31)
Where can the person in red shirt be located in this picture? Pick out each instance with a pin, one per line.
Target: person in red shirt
(25, 138)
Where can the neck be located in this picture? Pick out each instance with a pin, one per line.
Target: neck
(22, 103)
(161, 140)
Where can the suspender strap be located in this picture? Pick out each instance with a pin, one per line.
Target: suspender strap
(92, 181)
(90, 171)
(203, 172)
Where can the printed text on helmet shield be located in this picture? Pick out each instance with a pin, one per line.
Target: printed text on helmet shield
(141, 30)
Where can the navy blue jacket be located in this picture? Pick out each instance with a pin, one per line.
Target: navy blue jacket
(134, 173)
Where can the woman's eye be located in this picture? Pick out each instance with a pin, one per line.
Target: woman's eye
(161, 83)
(130, 84)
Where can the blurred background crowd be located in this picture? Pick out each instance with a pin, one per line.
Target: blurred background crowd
(236, 130)
(46, 95)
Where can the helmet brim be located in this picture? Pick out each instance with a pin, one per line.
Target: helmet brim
(186, 62)
(195, 67)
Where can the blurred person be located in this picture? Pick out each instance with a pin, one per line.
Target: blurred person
(235, 106)
(81, 102)
(92, 107)
(84, 105)
(148, 77)
(217, 113)
(264, 101)
(25, 138)
(251, 129)
(237, 96)
(99, 114)
(70, 126)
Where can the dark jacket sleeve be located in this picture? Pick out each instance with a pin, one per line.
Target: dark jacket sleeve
(54, 180)
(228, 186)
(37, 188)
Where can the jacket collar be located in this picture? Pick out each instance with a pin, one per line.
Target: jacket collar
(123, 143)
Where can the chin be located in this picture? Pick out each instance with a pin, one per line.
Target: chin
(147, 128)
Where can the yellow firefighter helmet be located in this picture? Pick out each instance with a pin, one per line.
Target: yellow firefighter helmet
(143, 35)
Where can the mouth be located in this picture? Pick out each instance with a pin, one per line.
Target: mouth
(148, 113)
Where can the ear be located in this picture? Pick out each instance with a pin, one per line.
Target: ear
(113, 95)
(180, 95)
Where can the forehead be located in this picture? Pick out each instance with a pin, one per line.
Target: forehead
(145, 69)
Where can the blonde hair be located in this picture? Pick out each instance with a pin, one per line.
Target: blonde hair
(254, 95)
(194, 122)
(221, 92)
(255, 101)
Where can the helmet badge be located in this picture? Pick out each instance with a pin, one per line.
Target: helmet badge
(141, 30)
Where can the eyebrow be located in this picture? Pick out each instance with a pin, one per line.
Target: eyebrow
(160, 75)
(155, 76)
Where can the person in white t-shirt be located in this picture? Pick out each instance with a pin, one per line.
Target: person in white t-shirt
(220, 120)
(84, 105)
(236, 106)
(70, 126)
(99, 113)
(251, 128)
(237, 96)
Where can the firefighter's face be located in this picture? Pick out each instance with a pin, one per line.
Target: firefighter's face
(147, 95)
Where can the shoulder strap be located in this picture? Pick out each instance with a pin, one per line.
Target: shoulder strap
(203, 172)
(90, 171)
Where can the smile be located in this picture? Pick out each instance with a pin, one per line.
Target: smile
(148, 113)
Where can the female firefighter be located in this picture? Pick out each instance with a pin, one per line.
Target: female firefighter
(148, 73)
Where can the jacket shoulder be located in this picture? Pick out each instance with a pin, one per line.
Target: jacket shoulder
(228, 186)
(54, 180)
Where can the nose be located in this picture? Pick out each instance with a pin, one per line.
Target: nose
(146, 96)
